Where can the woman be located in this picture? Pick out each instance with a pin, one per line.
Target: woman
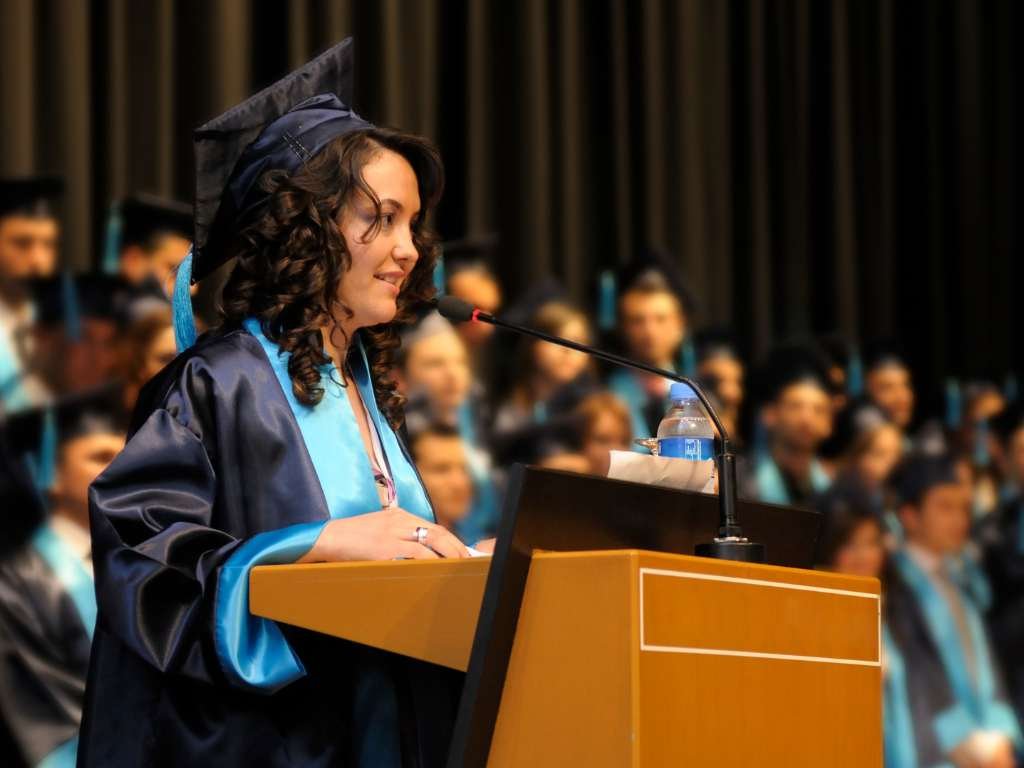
(550, 381)
(148, 348)
(272, 441)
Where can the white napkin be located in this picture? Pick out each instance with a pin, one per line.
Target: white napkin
(679, 474)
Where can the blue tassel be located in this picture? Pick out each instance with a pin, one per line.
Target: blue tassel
(439, 276)
(981, 455)
(112, 240)
(181, 304)
(855, 375)
(1010, 388)
(759, 449)
(42, 464)
(69, 302)
(606, 300)
(954, 406)
(688, 359)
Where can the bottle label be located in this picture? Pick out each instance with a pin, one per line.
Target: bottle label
(690, 448)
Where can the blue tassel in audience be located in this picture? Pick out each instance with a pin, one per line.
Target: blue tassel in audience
(439, 278)
(854, 375)
(184, 321)
(69, 300)
(954, 405)
(112, 240)
(606, 301)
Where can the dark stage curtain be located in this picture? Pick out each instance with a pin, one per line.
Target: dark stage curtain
(814, 166)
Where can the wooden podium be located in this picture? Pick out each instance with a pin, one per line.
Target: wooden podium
(619, 656)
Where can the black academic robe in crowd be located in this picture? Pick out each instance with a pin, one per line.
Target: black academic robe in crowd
(1004, 563)
(44, 658)
(216, 457)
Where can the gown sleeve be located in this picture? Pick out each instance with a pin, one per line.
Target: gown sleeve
(169, 584)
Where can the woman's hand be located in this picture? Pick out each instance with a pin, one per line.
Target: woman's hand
(485, 545)
(383, 535)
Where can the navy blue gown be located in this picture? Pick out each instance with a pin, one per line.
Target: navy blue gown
(224, 470)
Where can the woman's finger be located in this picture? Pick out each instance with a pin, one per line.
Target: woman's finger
(414, 551)
(444, 542)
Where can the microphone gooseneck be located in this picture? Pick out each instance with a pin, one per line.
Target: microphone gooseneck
(730, 544)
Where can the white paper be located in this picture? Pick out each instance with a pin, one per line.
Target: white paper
(680, 474)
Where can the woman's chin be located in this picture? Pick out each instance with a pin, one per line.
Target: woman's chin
(379, 313)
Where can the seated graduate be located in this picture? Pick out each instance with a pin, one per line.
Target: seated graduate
(952, 706)
(1002, 537)
(29, 246)
(721, 368)
(653, 314)
(796, 414)
(889, 385)
(467, 274)
(272, 440)
(440, 455)
(603, 424)
(434, 375)
(147, 347)
(147, 238)
(47, 597)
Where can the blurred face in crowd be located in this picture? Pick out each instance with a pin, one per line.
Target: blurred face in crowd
(607, 431)
(158, 261)
(557, 365)
(381, 260)
(438, 367)
(93, 359)
(889, 387)
(727, 373)
(161, 351)
(653, 326)
(479, 288)
(441, 461)
(881, 454)
(863, 554)
(941, 522)
(81, 461)
(801, 417)
(28, 247)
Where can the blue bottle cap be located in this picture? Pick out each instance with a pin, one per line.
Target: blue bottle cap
(681, 391)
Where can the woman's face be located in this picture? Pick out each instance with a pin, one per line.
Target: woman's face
(381, 261)
(558, 364)
(606, 433)
(882, 454)
(863, 554)
(159, 353)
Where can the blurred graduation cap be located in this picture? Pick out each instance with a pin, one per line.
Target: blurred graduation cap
(790, 364)
(136, 220)
(66, 299)
(30, 195)
(473, 252)
(1008, 422)
(884, 353)
(856, 419)
(280, 128)
(35, 436)
(845, 355)
(712, 343)
(919, 473)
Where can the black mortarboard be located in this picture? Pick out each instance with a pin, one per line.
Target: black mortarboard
(35, 436)
(144, 216)
(919, 473)
(65, 299)
(845, 506)
(279, 128)
(656, 268)
(883, 354)
(29, 195)
(790, 364)
(856, 419)
(473, 251)
(716, 342)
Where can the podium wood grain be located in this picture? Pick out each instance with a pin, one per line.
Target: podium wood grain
(631, 658)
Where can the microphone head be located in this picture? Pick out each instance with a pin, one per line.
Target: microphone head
(455, 309)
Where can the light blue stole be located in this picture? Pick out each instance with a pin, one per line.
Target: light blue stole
(976, 704)
(897, 722)
(772, 488)
(253, 651)
(67, 567)
(625, 386)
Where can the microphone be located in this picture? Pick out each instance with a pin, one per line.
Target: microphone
(730, 544)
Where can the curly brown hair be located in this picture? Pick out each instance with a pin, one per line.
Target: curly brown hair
(291, 256)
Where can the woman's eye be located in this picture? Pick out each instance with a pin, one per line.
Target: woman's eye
(387, 219)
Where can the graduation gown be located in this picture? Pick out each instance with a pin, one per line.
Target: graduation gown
(225, 470)
(47, 614)
(931, 702)
(767, 482)
(1004, 562)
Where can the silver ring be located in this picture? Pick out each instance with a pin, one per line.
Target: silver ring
(421, 535)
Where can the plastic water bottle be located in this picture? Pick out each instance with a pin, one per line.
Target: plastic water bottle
(686, 432)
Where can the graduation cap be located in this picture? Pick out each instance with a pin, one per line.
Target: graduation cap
(66, 299)
(1008, 422)
(35, 436)
(280, 128)
(30, 195)
(846, 505)
(712, 343)
(138, 219)
(919, 473)
(856, 419)
(655, 270)
(473, 252)
(792, 364)
(884, 354)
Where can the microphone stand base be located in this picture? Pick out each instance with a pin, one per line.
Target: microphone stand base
(732, 548)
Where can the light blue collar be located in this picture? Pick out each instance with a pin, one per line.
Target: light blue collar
(334, 443)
